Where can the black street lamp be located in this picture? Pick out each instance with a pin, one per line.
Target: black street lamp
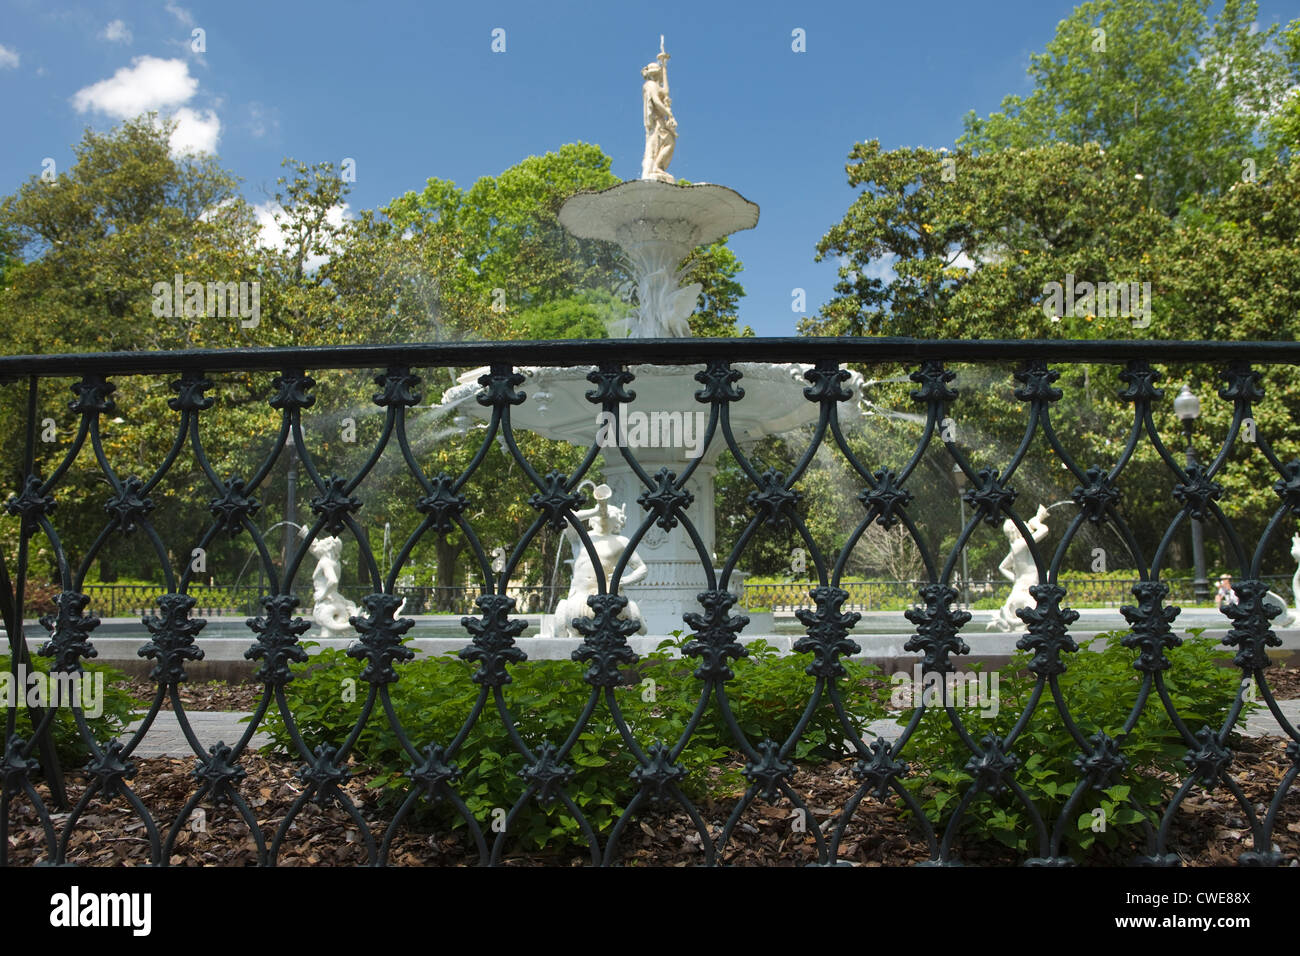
(290, 501)
(959, 479)
(1188, 408)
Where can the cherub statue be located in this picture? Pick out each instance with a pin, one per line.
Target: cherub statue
(329, 608)
(604, 522)
(1019, 568)
(1295, 578)
(657, 113)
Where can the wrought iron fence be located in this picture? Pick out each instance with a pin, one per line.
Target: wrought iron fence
(552, 770)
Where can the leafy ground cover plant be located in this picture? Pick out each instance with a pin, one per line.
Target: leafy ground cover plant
(435, 696)
(115, 706)
(1100, 690)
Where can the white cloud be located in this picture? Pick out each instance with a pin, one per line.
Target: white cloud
(212, 212)
(196, 131)
(882, 268)
(262, 120)
(272, 236)
(183, 16)
(147, 84)
(962, 261)
(8, 58)
(117, 32)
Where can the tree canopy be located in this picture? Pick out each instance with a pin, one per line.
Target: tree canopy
(1177, 98)
(1153, 156)
(82, 258)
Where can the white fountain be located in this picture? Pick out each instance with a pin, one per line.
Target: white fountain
(657, 223)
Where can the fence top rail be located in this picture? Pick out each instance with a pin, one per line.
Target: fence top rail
(574, 352)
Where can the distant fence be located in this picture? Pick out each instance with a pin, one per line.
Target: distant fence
(139, 600)
(890, 595)
(136, 600)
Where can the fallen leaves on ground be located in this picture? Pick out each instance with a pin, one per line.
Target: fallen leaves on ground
(1210, 828)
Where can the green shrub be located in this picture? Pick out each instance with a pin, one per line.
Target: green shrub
(71, 749)
(1099, 689)
(545, 698)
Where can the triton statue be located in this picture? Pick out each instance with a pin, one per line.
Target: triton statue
(660, 127)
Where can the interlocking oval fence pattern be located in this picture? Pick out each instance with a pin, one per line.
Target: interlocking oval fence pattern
(493, 633)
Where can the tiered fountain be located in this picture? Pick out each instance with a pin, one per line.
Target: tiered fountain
(657, 223)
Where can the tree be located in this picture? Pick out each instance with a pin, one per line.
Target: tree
(95, 240)
(513, 252)
(301, 303)
(973, 240)
(6, 260)
(1228, 273)
(1283, 126)
(1177, 98)
(715, 267)
(91, 247)
(1125, 165)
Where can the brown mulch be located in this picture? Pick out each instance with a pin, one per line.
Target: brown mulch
(212, 695)
(1284, 682)
(1209, 830)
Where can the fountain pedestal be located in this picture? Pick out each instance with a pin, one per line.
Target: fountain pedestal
(657, 225)
(676, 574)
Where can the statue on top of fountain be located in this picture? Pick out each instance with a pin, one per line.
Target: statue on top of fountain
(604, 522)
(657, 112)
(657, 221)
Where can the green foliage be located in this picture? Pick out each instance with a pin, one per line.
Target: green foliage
(1155, 147)
(508, 230)
(585, 315)
(435, 696)
(1173, 96)
(93, 242)
(1100, 690)
(71, 749)
(715, 267)
(973, 243)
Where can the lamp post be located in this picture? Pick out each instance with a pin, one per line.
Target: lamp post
(959, 479)
(1188, 408)
(290, 500)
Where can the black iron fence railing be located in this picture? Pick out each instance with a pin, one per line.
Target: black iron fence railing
(1138, 497)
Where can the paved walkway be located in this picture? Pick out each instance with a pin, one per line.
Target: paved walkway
(166, 740)
(1259, 724)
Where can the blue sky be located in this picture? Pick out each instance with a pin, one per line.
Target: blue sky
(413, 90)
